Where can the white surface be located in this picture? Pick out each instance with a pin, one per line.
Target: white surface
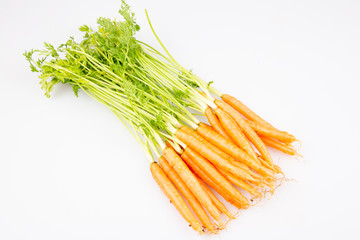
(69, 170)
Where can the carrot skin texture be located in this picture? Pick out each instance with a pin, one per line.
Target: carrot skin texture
(248, 174)
(201, 146)
(274, 168)
(187, 194)
(241, 184)
(213, 173)
(232, 149)
(212, 146)
(216, 201)
(235, 132)
(209, 181)
(243, 171)
(171, 192)
(191, 182)
(285, 148)
(215, 123)
(249, 132)
(244, 110)
(271, 132)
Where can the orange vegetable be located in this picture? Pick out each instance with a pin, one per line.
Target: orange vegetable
(213, 173)
(248, 131)
(216, 201)
(191, 182)
(235, 132)
(201, 146)
(187, 194)
(241, 184)
(244, 110)
(209, 181)
(232, 149)
(271, 132)
(215, 123)
(171, 192)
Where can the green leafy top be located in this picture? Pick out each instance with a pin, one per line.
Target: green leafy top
(145, 89)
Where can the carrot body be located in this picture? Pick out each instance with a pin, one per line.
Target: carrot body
(213, 173)
(191, 182)
(216, 201)
(248, 174)
(170, 191)
(274, 168)
(244, 110)
(241, 184)
(201, 146)
(271, 132)
(235, 132)
(209, 181)
(285, 148)
(210, 145)
(231, 149)
(215, 123)
(249, 132)
(187, 194)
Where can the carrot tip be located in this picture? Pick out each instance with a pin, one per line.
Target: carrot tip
(298, 141)
(298, 155)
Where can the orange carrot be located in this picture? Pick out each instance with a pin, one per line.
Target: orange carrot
(231, 149)
(201, 146)
(285, 148)
(244, 110)
(214, 121)
(187, 194)
(235, 132)
(274, 168)
(170, 191)
(271, 132)
(249, 132)
(245, 175)
(220, 152)
(217, 150)
(201, 124)
(241, 184)
(209, 181)
(213, 173)
(216, 201)
(218, 141)
(191, 182)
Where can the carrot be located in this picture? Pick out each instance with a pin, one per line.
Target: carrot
(232, 149)
(201, 146)
(271, 132)
(210, 145)
(191, 182)
(170, 191)
(274, 168)
(216, 201)
(235, 132)
(285, 148)
(241, 184)
(247, 174)
(219, 141)
(212, 128)
(244, 110)
(185, 191)
(213, 173)
(244, 174)
(249, 132)
(214, 121)
(209, 181)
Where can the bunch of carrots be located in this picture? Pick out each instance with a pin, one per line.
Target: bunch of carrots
(152, 94)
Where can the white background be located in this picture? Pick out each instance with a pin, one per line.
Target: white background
(70, 170)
